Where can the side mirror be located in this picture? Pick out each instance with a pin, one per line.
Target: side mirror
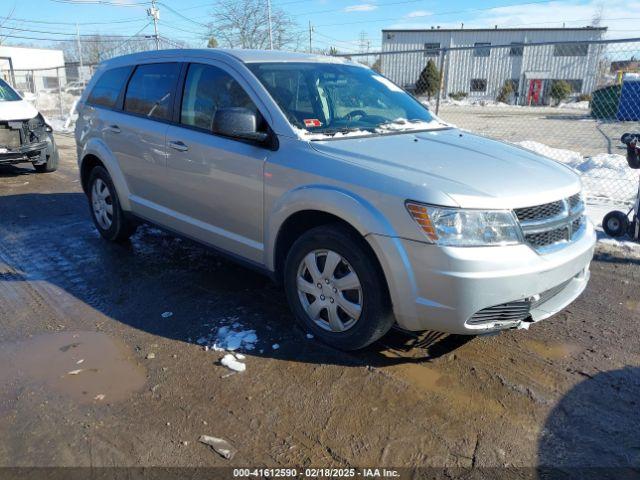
(239, 123)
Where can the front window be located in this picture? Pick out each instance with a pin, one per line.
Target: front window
(323, 100)
(7, 94)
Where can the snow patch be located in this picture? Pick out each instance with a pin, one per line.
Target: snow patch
(601, 174)
(398, 125)
(232, 363)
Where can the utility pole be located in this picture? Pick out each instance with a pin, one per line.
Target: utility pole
(154, 13)
(310, 41)
(81, 68)
(270, 28)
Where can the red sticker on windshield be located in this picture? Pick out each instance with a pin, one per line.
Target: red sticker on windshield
(312, 122)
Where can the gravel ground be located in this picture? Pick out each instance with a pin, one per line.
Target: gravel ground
(566, 128)
(94, 375)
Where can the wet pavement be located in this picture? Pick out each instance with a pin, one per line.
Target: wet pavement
(93, 374)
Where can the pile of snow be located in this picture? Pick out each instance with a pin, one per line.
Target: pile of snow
(231, 339)
(584, 105)
(606, 175)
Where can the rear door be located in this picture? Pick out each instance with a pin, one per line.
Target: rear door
(139, 131)
(215, 183)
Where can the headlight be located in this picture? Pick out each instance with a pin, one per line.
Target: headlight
(465, 228)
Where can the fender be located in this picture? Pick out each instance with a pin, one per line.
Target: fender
(97, 147)
(346, 205)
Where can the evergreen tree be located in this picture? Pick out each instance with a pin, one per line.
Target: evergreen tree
(429, 81)
(559, 90)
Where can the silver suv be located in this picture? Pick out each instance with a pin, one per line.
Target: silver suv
(328, 177)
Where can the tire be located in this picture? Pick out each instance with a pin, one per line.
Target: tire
(615, 224)
(357, 306)
(107, 215)
(50, 166)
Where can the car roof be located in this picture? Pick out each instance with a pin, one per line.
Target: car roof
(242, 55)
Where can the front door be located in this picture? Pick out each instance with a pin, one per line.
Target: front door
(535, 92)
(215, 183)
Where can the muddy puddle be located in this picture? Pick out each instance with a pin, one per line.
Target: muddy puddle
(86, 366)
(552, 350)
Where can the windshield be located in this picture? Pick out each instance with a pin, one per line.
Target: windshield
(323, 100)
(7, 94)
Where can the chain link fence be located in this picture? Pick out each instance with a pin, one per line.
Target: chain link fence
(53, 91)
(570, 101)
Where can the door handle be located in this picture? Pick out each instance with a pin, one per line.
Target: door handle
(178, 145)
(113, 128)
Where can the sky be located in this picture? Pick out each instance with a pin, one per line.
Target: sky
(348, 25)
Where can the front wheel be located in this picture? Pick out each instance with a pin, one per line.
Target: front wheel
(615, 224)
(106, 212)
(335, 288)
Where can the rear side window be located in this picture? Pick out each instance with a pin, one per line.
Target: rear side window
(151, 90)
(108, 87)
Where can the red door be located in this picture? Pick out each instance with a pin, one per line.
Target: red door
(535, 92)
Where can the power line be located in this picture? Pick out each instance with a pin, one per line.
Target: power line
(102, 2)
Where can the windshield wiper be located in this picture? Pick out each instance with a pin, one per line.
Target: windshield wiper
(333, 131)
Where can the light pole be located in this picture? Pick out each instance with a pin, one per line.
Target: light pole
(270, 32)
(154, 13)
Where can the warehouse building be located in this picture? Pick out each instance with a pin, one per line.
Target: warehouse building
(476, 67)
(32, 69)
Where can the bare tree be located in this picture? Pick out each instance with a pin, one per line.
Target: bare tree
(598, 14)
(244, 24)
(96, 48)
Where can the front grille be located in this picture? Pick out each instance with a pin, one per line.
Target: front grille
(575, 201)
(540, 212)
(544, 239)
(507, 312)
(551, 224)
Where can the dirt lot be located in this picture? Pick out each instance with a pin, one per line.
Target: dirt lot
(566, 128)
(564, 393)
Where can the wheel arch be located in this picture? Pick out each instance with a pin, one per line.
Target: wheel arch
(96, 154)
(310, 207)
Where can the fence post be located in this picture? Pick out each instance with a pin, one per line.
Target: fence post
(443, 52)
(60, 92)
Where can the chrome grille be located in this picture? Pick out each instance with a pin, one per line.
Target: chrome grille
(549, 237)
(540, 212)
(552, 224)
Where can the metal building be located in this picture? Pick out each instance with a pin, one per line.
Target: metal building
(471, 61)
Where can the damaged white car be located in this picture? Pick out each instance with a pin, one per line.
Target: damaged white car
(25, 135)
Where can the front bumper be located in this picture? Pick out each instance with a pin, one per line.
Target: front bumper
(36, 153)
(442, 288)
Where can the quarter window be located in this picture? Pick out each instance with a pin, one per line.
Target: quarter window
(108, 87)
(207, 89)
(151, 89)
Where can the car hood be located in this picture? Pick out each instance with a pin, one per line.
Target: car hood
(18, 110)
(474, 171)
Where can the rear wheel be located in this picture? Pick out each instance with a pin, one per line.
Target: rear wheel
(335, 288)
(106, 213)
(615, 224)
